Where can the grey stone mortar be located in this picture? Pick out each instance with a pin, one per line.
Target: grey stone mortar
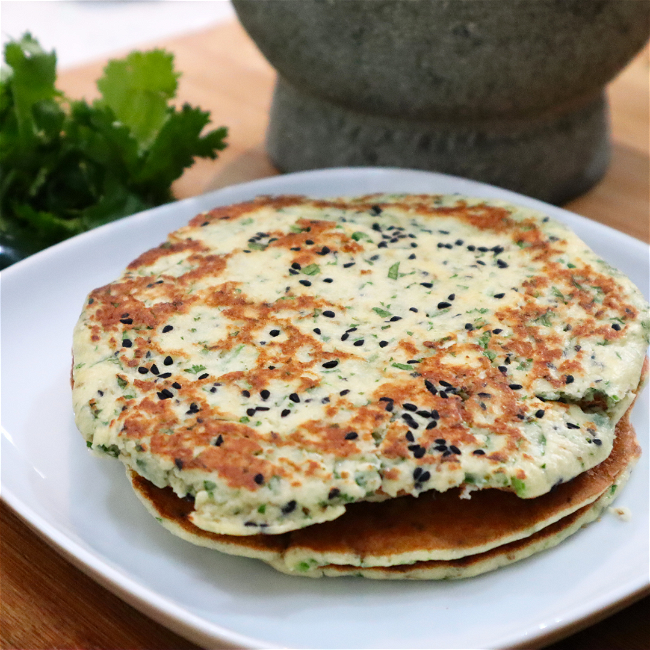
(508, 92)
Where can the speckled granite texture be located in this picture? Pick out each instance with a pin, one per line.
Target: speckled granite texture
(505, 91)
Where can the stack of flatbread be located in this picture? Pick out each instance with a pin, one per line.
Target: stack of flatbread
(392, 386)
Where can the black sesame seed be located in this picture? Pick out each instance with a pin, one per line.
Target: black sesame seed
(375, 210)
(440, 447)
(359, 342)
(305, 283)
(325, 400)
(205, 375)
(417, 472)
(432, 425)
(331, 364)
(424, 477)
(333, 493)
(483, 249)
(376, 227)
(285, 413)
(329, 314)
(250, 412)
(295, 248)
(434, 414)
(294, 397)
(259, 479)
(410, 437)
(345, 336)
(471, 247)
(154, 369)
(293, 272)
(442, 382)
(616, 326)
(127, 343)
(408, 418)
(126, 321)
(570, 425)
(451, 296)
(478, 452)
(142, 370)
(412, 256)
(316, 330)
(328, 280)
(501, 264)
(386, 399)
(443, 305)
(410, 407)
(419, 452)
(290, 507)
(428, 285)
(459, 242)
(389, 406)
(443, 394)
(325, 250)
(167, 328)
(165, 394)
(168, 361)
(502, 369)
(453, 449)
(413, 245)
(449, 246)
(539, 413)
(395, 318)
(441, 244)
(344, 392)
(246, 393)
(219, 441)
(274, 332)
(165, 375)
(353, 435)
(177, 386)
(515, 386)
(597, 442)
(480, 262)
(413, 309)
(469, 327)
(265, 394)
(424, 414)
(382, 244)
(309, 242)
(348, 265)
(430, 387)
(296, 266)
(178, 462)
(383, 344)
(499, 295)
(497, 331)
(569, 379)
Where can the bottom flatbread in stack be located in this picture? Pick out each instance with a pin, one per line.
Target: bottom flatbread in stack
(432, 537)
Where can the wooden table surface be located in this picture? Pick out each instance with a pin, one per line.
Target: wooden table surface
(48, 603)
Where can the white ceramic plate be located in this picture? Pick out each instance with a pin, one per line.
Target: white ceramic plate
(85, 507)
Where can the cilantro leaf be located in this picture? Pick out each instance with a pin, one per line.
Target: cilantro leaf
(68, 166)
(393, 271)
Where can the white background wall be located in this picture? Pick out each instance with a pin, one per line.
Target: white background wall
(84, 30)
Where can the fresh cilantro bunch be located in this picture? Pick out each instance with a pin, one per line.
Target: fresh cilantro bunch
(68, 166)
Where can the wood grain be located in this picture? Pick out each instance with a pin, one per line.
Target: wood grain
(45, 601)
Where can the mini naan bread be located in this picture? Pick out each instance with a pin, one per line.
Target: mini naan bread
(434, 536)
(282, 358)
